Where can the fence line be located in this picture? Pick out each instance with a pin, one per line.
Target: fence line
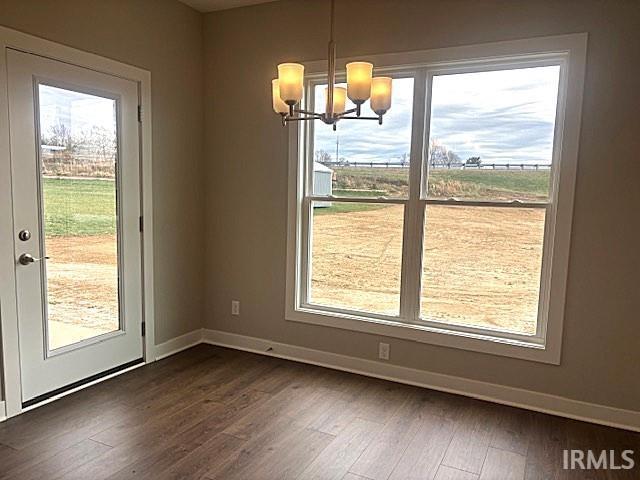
(463, 166)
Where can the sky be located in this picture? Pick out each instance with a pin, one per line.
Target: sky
(502, 116)
(75, 110)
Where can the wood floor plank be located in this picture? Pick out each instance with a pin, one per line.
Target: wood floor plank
(448, 473)
(584, 436)
(212, 371)
(131, 429)
(17, 460)
(199, 388)
(334, 462)
(151, 439)
(547, 440)
(207, 460)
(470, 442)
(274, 436)
(192, 441)
(503, 465)
(282, 375)
(342, 407)
(380, 399)
(286, 460)
(130, 385)
(270, 434)
(510, 432)
(219, 414)
(66, 460)
(387, 448)
(290, 402)
(34, 426)
(425, 452)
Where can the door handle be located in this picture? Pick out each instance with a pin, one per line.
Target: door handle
(26, 259)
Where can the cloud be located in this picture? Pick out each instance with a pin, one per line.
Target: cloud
(501, 116)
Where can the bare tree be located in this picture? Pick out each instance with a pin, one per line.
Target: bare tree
(322, 156)
(441, 156)
(437, 154)
(59, 135)
(102, 143)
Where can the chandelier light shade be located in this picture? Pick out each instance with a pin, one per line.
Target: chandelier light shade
(287, 90)
(291, 81)
(381, 95)
(339, 99)
(359, 81)
(278, 104)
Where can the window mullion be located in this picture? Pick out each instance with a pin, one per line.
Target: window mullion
(306, 217)
(414, 210)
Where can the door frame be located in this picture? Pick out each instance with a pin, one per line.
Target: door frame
(10, 355)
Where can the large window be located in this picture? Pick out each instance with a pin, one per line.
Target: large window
(440, 224)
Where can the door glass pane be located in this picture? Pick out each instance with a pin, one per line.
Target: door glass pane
(78, 154)
(356, 256)
(491, 135)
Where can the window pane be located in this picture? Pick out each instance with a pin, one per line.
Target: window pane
(361, 157)
(356, 256)
(491, 135)
(482, 265)
(78, 154)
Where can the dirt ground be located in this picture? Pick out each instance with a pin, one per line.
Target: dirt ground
(481, 265)
(82, 288)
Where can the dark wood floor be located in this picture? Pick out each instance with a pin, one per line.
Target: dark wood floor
(213, 413)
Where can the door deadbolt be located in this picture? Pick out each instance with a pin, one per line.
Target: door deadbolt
(24, 235)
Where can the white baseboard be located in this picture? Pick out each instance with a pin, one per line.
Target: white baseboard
(3, 411)
(541, 402)
(178, 344)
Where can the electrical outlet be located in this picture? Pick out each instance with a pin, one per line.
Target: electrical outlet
(235, 307)
(383, 351)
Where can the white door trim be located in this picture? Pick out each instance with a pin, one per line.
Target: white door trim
(12, 395)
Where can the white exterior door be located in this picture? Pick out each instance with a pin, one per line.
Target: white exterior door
(75, 173)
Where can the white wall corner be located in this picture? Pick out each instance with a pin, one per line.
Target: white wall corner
(3, 411)
(177, 344)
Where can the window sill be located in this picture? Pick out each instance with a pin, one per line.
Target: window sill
(483, 343)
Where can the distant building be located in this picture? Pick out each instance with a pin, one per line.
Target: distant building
(322, 182)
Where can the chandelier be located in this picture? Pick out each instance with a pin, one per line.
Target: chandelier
(288, 88)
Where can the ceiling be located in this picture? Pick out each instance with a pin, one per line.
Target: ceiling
(212, 5)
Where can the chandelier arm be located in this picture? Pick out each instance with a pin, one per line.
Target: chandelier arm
(346, 112)
(361, 118)
(300, 119)
(306, 112)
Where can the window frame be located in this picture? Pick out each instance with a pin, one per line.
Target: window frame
(567, 51)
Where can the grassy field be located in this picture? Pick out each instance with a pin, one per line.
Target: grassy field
(490, 184)
(79, 207)
(87, 207)
(523, 184)
(527, 185)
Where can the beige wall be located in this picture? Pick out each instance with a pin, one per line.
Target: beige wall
(242, 239)
(247, 178)
(164, 37)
